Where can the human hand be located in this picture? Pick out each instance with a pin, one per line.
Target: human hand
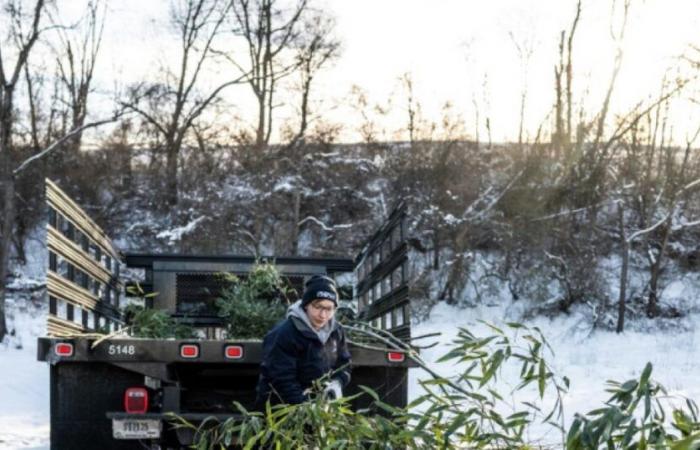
(333, 390)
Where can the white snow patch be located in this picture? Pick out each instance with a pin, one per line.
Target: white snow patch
(177, 233)
(286, 184)
(451, 220)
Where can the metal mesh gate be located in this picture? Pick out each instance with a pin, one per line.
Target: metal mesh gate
(196, 293)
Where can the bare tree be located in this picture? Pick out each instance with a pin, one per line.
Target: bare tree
(57, 95)
(315, 47)
(43, 118)
(675, 208)
(618, 37)
(564, 96)
(24, 33)
(41, 122)
(486, 102)
(25, 40)
(524, 48)
(268, 30)
(172, 106)
(412, 108)
(76, 57)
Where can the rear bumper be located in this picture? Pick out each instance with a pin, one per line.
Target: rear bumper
(170, 417)
(166, 351)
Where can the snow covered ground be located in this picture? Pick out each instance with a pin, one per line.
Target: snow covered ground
(588, 360)
(24, 382)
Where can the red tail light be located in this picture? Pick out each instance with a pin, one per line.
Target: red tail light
(234, 352)
(63, 349)
(136, 400)
(189, 351)
(395, 356)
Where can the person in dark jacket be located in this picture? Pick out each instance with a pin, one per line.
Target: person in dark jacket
(304, 347)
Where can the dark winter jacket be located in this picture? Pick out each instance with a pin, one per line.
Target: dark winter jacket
(294, 356)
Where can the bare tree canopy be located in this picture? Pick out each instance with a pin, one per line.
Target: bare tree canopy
(76, 58)
(269, 29)
(172, 105)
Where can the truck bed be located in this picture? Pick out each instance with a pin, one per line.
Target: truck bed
(87, 387)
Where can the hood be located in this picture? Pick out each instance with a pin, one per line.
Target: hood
(303, 323)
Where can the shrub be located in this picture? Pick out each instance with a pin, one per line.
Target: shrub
(154, 324)
(253, 305)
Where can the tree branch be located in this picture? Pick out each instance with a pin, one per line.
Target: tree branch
(60, 141)
(144, 114)
(27, 46)
(197, 109)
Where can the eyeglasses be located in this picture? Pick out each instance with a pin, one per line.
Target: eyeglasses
(326, 309)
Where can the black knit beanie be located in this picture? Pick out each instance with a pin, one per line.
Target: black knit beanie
(319, 287)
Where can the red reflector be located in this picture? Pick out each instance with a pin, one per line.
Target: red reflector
(136, 400)
(395, 356)
(189, 351)
(234, 352)
(64, 349)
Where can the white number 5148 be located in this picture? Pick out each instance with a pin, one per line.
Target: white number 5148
(121, 350)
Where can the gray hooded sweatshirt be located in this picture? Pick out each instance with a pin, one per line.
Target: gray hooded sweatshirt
(295, 311)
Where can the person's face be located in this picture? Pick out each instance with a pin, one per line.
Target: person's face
(320, 311)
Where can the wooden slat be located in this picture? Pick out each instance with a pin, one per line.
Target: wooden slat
(59, 287)
(73, 253)
(62, 203)
(68, 249)
(56, 326)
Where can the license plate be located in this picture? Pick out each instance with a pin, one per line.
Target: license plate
(136, 428)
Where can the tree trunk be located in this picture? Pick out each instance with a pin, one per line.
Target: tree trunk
(171, 174)
(304, 123)
(8, 207)
(127, 175)
(569, 76)
(653, 302)
(19, 237)
(260, 132)
(623, 273)
(436, 250)
(523, 98)
(623, 288)
(295, 226)
(8, 196)
(558, 106)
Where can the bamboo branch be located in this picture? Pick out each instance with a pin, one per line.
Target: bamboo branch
(395, 344)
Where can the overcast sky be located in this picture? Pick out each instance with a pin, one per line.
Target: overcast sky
(458, 51)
